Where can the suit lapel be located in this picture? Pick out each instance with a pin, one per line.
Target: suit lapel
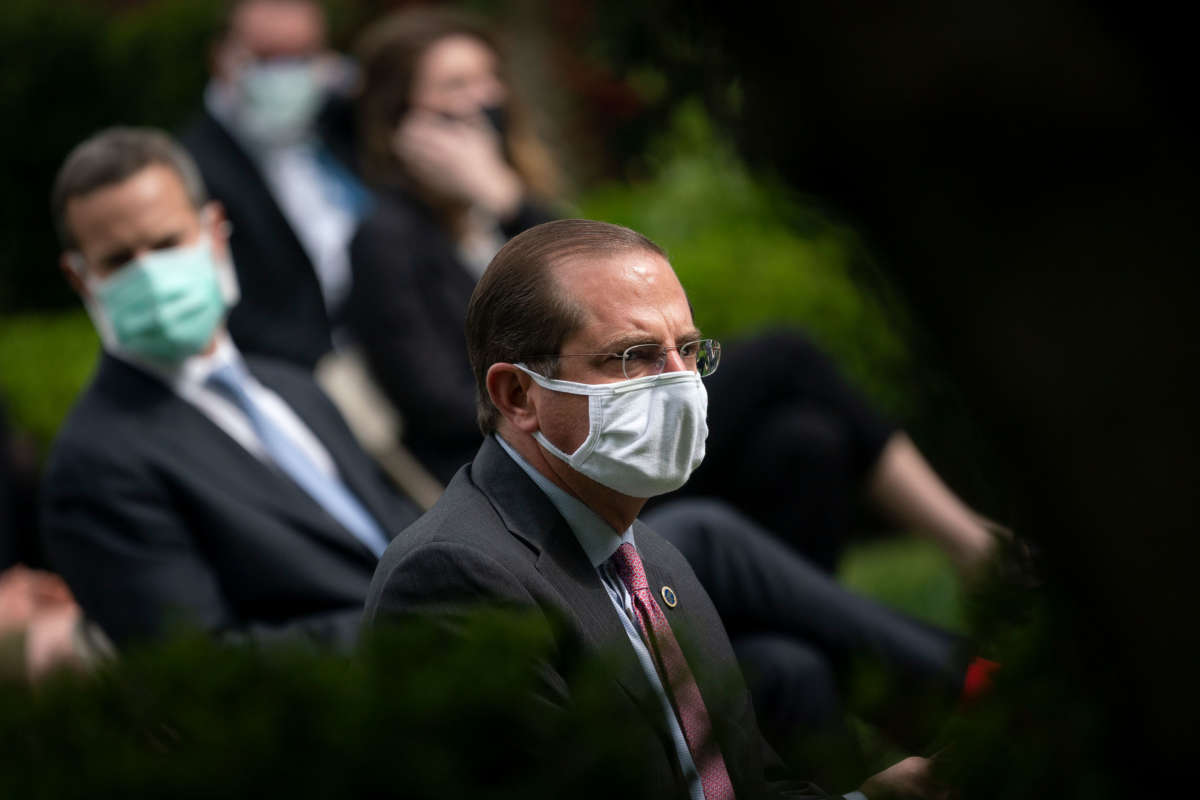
(252, 190)
(355, 468)
(201, 451)
(530, 516)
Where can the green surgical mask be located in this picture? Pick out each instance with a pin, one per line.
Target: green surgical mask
(279, 101)
(163, 306)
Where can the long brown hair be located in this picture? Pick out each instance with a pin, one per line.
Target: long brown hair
(389, 52)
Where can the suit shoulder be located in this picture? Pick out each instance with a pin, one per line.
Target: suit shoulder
(462, 515)
(105, 418)
(397, 230)
(276, 372)
(457, 552)
(655, 547)
(463, 521)
(203, 134)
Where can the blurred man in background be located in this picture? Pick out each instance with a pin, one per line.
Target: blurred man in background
(267, 148)
(188, 483)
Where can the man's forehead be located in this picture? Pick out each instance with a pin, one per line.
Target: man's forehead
(624, 292)
(150, 199)
(628, 268)
(279, 27)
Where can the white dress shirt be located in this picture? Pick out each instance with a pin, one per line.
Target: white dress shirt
(599, 541)
(303, 192)
(187, 380)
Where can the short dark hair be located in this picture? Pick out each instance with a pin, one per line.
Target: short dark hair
(518, 310)
(108, 158)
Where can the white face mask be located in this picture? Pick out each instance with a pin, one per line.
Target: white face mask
(645, 435)
(279, 101)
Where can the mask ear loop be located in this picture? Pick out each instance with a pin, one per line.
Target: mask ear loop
(95, 311)
(231, 290)
(77, 263)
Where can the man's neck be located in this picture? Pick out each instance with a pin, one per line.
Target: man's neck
(616, 509)
(173, 373)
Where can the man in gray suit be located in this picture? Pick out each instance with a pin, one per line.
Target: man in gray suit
(588, 369)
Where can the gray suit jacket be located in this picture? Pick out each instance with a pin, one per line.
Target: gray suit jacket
(495, 538)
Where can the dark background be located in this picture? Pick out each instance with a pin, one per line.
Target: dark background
(1027, 172)
(1023, 171)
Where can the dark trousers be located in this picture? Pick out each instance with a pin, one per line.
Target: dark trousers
(790, 442)
(801, 637)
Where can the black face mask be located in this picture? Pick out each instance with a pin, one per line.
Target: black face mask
(497, 116)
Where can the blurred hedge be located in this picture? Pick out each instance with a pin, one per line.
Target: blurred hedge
(415, 714)
(1050, 726)
(752, 254)
(70, 68)
(907, 573)
(45, 360)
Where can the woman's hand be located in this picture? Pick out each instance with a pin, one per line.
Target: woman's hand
(458, 159)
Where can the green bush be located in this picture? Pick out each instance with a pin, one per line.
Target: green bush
(416, 714)
(913, 575)
(45, 361)
(1049, 727)
(753, 255)
(69, 69)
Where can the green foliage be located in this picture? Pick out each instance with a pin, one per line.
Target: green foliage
(1047, 729)
(162, 49)
(68, 69)
(912, 575)
(45, 361)
(418, 713)
(752, 255)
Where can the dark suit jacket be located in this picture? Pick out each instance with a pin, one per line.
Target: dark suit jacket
(150, 511)
(406, 309)
(282, 311)
(495, 538)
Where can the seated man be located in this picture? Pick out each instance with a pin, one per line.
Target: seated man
(270, 144)
(188, 483)
(588, 373)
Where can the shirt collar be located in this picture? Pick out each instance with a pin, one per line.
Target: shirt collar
(220, 101)
(598, 539)
(193, 371)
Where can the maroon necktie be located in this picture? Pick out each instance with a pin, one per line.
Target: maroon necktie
(676, 676)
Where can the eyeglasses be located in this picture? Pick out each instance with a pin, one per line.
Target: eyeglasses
(641, 360)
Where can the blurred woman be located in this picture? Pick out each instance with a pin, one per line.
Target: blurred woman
(458, 172)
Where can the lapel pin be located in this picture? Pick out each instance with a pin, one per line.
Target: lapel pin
(668, 596)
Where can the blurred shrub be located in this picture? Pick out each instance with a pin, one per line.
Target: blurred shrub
(1051, 726)
(751, 254)
(416, 714)
(45, 360)
(68, 69)
(913, 575)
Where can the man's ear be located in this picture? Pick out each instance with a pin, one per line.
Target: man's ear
(222, 59)
(508, 388)
(71, 262)
(217, 226)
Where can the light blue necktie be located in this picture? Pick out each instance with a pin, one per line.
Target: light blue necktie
(339, 184)
(328, 491)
